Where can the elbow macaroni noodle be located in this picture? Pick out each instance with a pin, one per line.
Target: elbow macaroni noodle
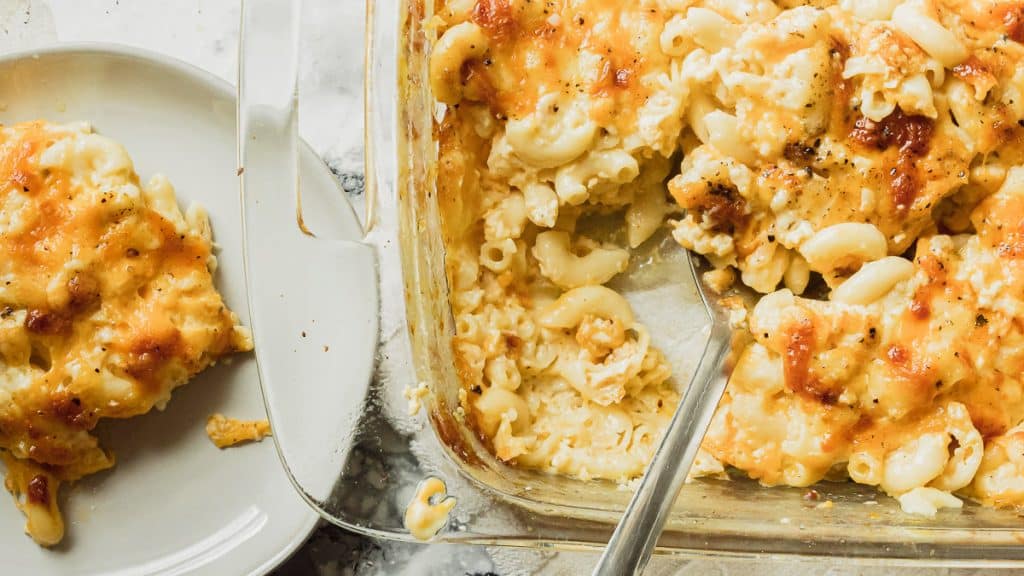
(940, 43)
(873, 280)
(459, 44)
(804, 148)
(842, 244)
(558, 263)
(571, 308)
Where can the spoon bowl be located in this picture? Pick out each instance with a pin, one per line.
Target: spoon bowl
(634, 538)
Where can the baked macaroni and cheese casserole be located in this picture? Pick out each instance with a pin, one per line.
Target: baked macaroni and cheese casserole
(107, 304)
(857, 166)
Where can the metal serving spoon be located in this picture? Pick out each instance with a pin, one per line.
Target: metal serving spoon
(634, 538)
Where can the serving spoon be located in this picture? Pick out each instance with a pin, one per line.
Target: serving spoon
(312, 280)
(634, 538)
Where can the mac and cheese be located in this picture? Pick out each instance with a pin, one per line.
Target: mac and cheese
(860, 165)
(107, 304)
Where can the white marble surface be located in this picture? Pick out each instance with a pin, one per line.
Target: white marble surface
(204, 33)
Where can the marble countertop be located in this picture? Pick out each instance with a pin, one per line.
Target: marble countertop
(204, 33)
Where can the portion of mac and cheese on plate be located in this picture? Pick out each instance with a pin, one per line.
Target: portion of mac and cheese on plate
(859, 166)
(107, 304)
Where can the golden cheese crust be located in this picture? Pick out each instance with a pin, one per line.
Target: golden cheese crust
(828, 384)
(107, 300)
(804, 148)
(886, 135)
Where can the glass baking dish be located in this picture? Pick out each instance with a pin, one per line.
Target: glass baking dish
(391, 451)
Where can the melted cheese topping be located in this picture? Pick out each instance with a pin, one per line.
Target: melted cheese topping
(225, 432)
(35, 493)
(826, 384)
(795, 145)
(106, 295)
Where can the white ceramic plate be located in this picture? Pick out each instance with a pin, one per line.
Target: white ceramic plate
(174, 504)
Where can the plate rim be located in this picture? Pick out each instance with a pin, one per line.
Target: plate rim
(223, 88)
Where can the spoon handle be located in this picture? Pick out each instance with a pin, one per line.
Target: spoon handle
(631, 545)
